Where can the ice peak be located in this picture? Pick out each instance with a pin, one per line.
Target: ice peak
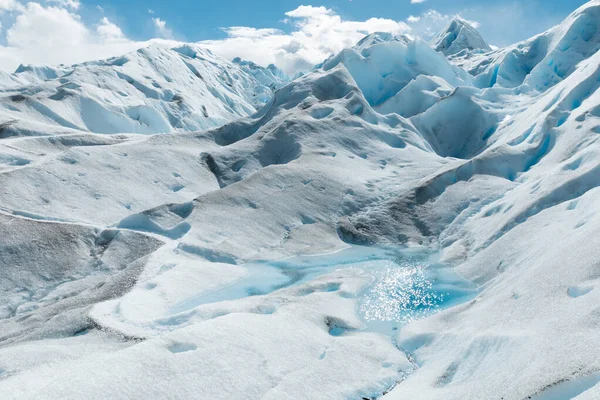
(459, 35)
(270, 76)
(381, 37)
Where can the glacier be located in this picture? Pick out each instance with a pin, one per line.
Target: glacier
(459, 37)
(409, 220)
(153, 90)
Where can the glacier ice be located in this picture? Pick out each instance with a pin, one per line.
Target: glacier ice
(153, 90)
(459, 36)
(174, 225)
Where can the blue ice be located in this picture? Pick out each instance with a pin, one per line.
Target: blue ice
(407, 284)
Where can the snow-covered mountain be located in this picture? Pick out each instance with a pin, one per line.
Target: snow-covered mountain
(174, 265)
(459, 36)
(380, 37)
(154, 90)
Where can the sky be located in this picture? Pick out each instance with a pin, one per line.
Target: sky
(294, 35)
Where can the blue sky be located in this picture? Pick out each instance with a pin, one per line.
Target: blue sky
(292, 34)
(195, 20)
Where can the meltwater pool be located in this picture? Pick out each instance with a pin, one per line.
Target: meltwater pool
(408, 283)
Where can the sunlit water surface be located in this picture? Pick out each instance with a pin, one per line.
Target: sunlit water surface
(407, 284)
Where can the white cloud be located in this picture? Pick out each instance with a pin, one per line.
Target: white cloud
(39, 26)
(161, 28)
(412, 19)
(317, 32)
(109, 32)
(46, 34)
(10, 5)
(308, 12)
(417, 1)
(73, 4)
(244, 31)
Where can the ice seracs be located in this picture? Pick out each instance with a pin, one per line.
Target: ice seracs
(271, 76)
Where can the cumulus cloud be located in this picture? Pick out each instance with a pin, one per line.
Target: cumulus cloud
(417, 1)
(10, 5)
(244, 31)
(73, 4)
(308, 12)
(39, 26)
(109, 32)
(52, 32)
(161, 28)
(316, 33)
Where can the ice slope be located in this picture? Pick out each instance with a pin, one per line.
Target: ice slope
(153, 90)
(459, 36)
(542, 61)
(383, 70)
(501, 179)
(271, 76)
(532, 247)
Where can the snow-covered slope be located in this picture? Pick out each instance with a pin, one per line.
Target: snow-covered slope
(154, 90)
(159, 266)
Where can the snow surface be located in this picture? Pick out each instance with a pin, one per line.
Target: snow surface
(230, 262)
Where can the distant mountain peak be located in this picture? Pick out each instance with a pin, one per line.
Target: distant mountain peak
(459, 35)
(270, 76)
(381, 37)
